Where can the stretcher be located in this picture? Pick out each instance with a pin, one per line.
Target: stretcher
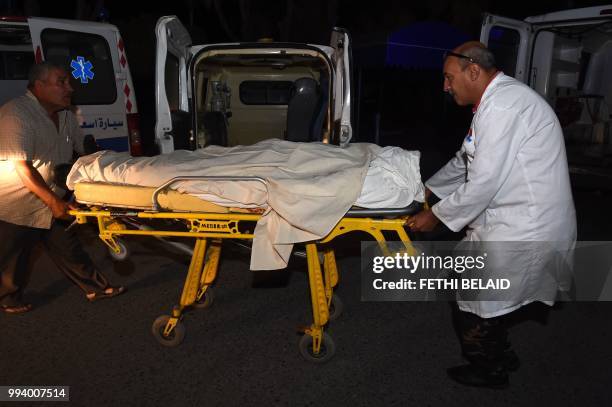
(123, 210)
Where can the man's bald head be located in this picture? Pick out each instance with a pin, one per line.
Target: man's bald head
(478, 53)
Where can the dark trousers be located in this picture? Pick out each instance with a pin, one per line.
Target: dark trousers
(484, 342)
(63, 247)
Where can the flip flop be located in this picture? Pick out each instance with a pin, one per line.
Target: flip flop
(16, 309)
(99, 295)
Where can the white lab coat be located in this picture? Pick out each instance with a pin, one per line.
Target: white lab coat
(509, 182)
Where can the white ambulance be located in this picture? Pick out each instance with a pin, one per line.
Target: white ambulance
(241, 93)
(94, 54)
(565, 56)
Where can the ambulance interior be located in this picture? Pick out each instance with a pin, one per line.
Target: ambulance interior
(245, 97)
(577, 81)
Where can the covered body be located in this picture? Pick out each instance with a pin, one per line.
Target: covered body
(310, 187)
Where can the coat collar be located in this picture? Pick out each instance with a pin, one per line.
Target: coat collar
(498, 75)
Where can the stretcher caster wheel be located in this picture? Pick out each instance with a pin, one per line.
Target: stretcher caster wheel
(326, 352)
(123, 251)
(207, 299)
(176, 336)
(335, 307)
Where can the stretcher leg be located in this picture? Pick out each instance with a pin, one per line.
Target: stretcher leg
(320, 312)
(316, 345)
(192, 281)
(169, 330)
(205, 296)
(403, 237)
(330, 273)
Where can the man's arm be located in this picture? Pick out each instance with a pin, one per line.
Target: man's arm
(446, 181)
(500, 135)
(32, 179)
(448, 178)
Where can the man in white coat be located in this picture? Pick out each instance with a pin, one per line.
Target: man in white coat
(508, 183)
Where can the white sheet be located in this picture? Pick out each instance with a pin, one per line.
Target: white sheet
(311, 185)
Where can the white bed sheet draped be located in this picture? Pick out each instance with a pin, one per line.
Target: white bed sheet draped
(311, 185)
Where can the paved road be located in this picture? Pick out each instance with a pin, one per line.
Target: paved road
(243, 351)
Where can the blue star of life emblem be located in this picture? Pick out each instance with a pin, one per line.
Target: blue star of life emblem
(82, 69)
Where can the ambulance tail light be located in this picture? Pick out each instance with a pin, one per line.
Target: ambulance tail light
(133, 122)
(14, 19)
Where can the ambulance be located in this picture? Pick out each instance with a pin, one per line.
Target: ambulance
(566, 56)
(242, 93)
(94, 54)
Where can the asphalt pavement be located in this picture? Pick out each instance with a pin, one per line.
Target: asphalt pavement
(244, 349)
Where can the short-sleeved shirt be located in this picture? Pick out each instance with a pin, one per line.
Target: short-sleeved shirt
(28, 133)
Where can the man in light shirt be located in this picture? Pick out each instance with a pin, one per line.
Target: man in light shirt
(37, 134)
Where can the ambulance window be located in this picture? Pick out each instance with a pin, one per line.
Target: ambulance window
(87, 57)
(265, 92)
(504, 43)
(172, 81)
(15, 65)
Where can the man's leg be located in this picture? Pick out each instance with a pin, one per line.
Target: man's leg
(67, 253)
(484, 343)
(16, 244)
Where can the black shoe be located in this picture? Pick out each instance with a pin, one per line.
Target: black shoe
(509, 360)
(472, 375)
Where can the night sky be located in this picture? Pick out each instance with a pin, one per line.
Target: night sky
(211, 21)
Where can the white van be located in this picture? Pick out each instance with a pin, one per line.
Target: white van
(95, 56)
(241, 93)
(565, 56)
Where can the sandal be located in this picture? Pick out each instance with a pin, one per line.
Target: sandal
(108, 292)
(16, 309)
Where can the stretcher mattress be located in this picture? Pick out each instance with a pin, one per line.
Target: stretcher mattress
(138, 197)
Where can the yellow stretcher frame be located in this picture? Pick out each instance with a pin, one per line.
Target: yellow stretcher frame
(209, 230)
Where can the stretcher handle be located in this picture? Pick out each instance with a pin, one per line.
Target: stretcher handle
(411, 209)
(202, 178)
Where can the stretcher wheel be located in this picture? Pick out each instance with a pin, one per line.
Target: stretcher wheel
(335, 307)
(123, 251)
(207, 299)
(327, 351)
(176, 336)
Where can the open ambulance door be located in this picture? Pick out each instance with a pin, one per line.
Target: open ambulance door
(173, 125)
(510, 41)
(342, 128)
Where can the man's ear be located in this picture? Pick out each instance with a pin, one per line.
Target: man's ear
(474, 72)
(37, 84)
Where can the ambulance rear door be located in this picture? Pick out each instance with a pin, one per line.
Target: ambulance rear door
(343, 131)
(510, 41)
(172, 86)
